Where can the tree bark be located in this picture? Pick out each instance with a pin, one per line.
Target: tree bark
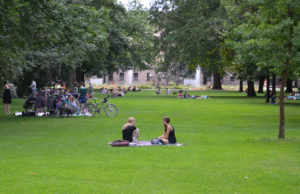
(79, 75)
(289, 85)
(274, 83)
(204, 79)
(261, 85)
(281, 133)
(268, 90)
(251, 90)
(241, 86)
(72, 79)
(217, 81)
(296, 83)
(282, 119)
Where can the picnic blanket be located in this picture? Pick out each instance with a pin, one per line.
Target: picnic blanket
(148, 143)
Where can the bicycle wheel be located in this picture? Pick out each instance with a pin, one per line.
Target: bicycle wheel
(111, 110)
(89, 109)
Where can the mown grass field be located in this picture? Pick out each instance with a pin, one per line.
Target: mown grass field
(232, 148)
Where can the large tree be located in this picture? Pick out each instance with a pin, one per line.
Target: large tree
(189, 33)
(45, 39)
(269, 39)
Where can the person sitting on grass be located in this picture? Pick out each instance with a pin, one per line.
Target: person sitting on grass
(129, 131)
(73, 101)
(168, 137)
(291, 96)
(186, 95)
(158, 91)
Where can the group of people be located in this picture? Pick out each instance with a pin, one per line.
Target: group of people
(131, 133)
(115, 91)
(118, 91)
(293, 96)
(168, 91)
(77, 99)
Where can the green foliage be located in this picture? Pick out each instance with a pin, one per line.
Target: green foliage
(266, 39)
(49, 39)
(44, 36)
(189, 34)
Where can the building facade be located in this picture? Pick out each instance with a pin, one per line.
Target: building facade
(151, 77)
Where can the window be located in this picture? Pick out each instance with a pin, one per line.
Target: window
(135, 77)
(111, 77)
(121, 76)
(149, 75)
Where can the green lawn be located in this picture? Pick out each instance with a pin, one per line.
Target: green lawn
(232, 148)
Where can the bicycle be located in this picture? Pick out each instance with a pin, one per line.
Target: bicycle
(110, 110)
(66, 109)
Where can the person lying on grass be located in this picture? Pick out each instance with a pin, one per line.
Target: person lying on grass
(129, 131)
(169, 134)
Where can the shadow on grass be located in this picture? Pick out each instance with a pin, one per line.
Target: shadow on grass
(272, 140)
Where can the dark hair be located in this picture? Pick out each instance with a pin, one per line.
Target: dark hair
(167, 119)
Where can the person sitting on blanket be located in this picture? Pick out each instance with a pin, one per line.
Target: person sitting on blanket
(129, 131)
(169, 134)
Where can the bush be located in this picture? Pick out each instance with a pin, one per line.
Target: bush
(145, 87)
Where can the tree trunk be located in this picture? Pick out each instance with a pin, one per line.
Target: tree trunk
(217, 81)
(282, 121)
(261, 85)
(79, 75)
(251, 90)
(72, 79)
(268, 90)
(241, 86)
(274, 83)
(296, 84)
(289, 86)
(204, 79)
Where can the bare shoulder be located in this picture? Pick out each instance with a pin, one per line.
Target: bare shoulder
(170, 127)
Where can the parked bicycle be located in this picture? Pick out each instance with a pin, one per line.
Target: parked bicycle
(66, 109)
(110, 110)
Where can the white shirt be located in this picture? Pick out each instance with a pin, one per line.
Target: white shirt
(33, 85)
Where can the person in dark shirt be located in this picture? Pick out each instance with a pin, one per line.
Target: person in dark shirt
(273, 98)
(6, 98)
(168, 137)
(82, 97)
(41, 99)
(129, 131)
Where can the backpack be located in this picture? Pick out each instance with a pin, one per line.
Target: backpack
(120, 143)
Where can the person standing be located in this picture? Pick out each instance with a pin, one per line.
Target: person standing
(82, 95)
(6, 98)
(33, 86)
(91, 91)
